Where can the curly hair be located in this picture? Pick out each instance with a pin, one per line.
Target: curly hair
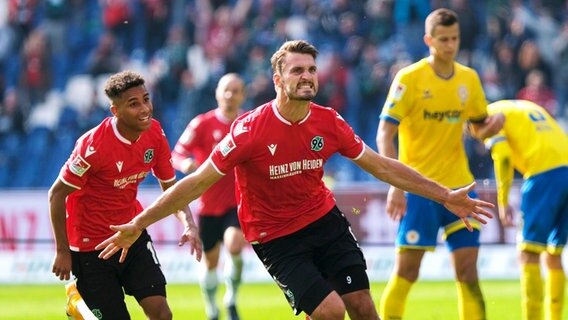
(122, 81)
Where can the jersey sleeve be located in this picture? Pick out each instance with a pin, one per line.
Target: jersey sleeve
(504, 169)
(186, 143)
(478, 110)
(350, 145)
(163, 169)
(399, 99)
(81, 164)
(233, 149)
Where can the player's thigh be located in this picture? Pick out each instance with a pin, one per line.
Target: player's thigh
(408, 261)
(211, 231)
(465, 263)
(339, 249)
(456, 234)
(291, 266)
(419, 227)
(233, 238)
(156, 307)
(99, 285)
(291, 262)
(141, 273)
(544, 206)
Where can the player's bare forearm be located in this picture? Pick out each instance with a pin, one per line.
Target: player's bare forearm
(190, 233)
(404, 177)
(185, 217)
(178, 196)
(171, 201)
(61, 265)
(486, 128)
(401, 176)
(57, 215)
(385, 139)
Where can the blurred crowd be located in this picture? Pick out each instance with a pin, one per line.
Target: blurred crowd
(56, 54)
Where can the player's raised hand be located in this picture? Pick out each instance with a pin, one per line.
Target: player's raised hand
(124, 237)
(191, 236)
(460, 204)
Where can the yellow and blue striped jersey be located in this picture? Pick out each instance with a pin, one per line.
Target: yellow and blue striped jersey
(431, 112)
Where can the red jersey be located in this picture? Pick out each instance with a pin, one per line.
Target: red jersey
(279, 167)
(201, 135)
(106, 168)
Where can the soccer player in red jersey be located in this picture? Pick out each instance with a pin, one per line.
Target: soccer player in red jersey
(97, 187)
(286, 212)
(217, 208)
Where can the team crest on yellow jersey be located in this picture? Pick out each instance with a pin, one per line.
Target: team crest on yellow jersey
(463, 94)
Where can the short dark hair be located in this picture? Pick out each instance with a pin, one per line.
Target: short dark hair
(440, 17)
(292, 46)
(122, 81)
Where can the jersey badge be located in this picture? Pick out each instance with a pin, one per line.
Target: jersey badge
(317, 143)
(79, 166)
(148, 155)
(412, 237)
(399, 92)
(90, 150)
(272, 148)
(427, 94)
(227, 145)
(463, 94)
(119, 165)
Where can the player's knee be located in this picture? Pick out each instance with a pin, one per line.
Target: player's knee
(408, 271)
(553, 261)
(360, 305)
(166, 315)
(161, 314)
(331, 307)
(234, 247)
(467, 274)
(465, 264)
(234, 240)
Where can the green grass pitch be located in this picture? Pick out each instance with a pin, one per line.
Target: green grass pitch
(428, 300)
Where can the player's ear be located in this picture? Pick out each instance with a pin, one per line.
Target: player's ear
(276, 78)
(113, 109)
(427, 40)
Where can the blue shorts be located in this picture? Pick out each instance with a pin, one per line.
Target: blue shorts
(419, 227)
(544, 206)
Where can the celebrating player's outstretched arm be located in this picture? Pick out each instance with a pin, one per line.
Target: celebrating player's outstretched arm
(401, 176)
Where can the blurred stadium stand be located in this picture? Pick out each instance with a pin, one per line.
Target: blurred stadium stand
(56, 54)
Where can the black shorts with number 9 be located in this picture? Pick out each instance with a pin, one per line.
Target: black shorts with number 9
(311, 263)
